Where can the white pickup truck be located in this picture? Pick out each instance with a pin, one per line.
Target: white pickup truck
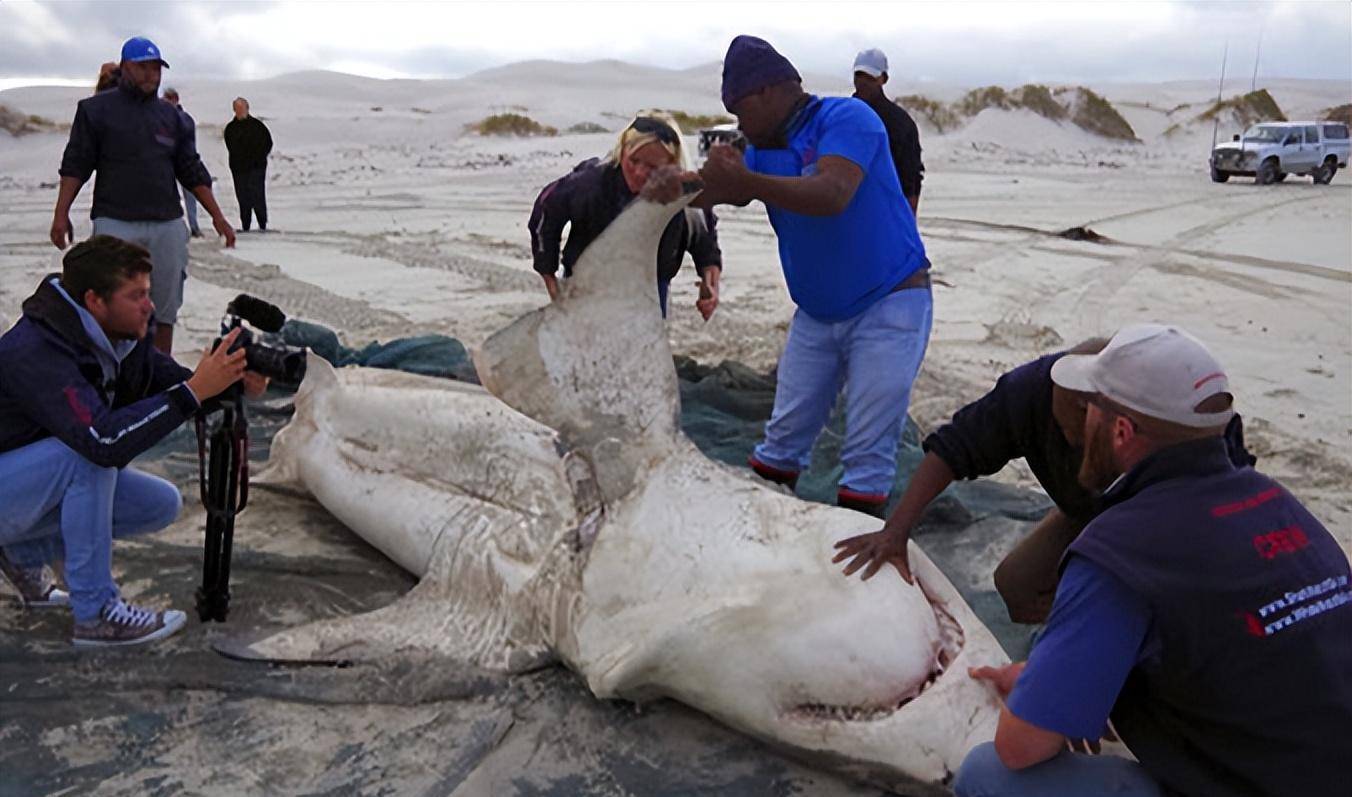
(1270, 151)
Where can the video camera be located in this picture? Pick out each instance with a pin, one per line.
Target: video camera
(275, 361)
(223, 453)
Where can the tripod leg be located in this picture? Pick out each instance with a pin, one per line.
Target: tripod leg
(210, 604)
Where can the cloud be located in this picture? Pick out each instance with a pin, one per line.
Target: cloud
(971, 44)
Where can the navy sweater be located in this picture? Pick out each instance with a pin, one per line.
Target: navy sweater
(1015, 420)
(141, 148)
(52, 385)
(903, 139)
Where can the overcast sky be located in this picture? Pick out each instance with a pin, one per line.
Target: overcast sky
(949, 42)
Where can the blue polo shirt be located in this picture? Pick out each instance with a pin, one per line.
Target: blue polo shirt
(1097, 632)
(838, 266)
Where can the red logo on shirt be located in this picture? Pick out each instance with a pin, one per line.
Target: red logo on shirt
(82, 413)
(1253, 625)
(1225, 510)
(1287, 540)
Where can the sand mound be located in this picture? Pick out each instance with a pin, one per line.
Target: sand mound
(1075, 104)
(929, 113)
(18, 124)
(1239, 112)
(1341, 113)
(1094, 114)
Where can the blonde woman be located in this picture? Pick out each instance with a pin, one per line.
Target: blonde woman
(597, 190)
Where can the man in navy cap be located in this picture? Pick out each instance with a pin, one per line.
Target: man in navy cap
(852, 258)
(142, 150)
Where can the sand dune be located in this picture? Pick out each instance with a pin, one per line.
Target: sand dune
(382, 174)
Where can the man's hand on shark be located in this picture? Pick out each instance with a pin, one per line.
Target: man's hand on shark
(872, 551)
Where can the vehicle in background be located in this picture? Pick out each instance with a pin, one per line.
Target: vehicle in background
(721, 134)
(1270, 151)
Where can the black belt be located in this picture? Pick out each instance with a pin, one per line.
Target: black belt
(918, 279)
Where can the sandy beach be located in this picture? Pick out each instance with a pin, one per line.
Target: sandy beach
(392, 220)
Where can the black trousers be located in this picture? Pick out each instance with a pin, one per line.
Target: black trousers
(249, 188)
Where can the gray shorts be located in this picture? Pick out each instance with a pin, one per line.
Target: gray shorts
(168, 245)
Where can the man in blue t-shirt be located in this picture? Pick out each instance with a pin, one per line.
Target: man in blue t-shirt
(852, 258)
(1204, 610)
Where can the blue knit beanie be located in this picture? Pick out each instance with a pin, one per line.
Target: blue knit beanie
(750, 65)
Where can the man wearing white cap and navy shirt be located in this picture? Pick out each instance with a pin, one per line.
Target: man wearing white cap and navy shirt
(142, 150)
(903, 138)
(1204, 610)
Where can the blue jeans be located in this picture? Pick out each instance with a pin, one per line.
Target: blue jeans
(1068, 775)
(875, 356)
(53, 498)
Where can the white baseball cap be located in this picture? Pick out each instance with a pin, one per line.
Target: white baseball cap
(1157, 370)
(871, 62)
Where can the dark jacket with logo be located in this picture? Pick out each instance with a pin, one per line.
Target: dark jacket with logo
(1251, 690)
(141, 148)
(588, 199)
(52, 385)
(249, 144)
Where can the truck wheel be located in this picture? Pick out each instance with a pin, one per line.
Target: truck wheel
(1324, 174)
(1267, 173)
(1218, 176)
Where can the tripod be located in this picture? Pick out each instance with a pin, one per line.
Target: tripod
(223, 470)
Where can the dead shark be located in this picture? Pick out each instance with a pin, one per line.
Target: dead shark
(559, 514)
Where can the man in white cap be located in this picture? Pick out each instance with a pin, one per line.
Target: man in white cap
(903, 138)
(1204, 610)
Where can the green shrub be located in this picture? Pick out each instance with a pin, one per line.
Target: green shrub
(978, 100)
(940, 116)
(1039, 100)
(588, 127)
(1341, 113)
(1095, 114)
(511, 124)
(1256, 106)
(690, 122)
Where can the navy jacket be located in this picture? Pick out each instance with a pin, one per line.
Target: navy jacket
(588, 199)
(141, 148)
(903, 138)
(1015, 420)
(1250, 692)
(52, 385)
(249, 144)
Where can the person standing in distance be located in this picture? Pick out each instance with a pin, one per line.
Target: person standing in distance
(249, 143)
(903, 138)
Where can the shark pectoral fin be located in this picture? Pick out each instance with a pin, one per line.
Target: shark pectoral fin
(421, 623)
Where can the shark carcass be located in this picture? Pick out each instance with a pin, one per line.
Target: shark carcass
(559, 514)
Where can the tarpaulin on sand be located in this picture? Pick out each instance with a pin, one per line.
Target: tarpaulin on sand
(177, 718)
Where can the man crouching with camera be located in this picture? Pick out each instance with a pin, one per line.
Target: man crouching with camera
(83, 391)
